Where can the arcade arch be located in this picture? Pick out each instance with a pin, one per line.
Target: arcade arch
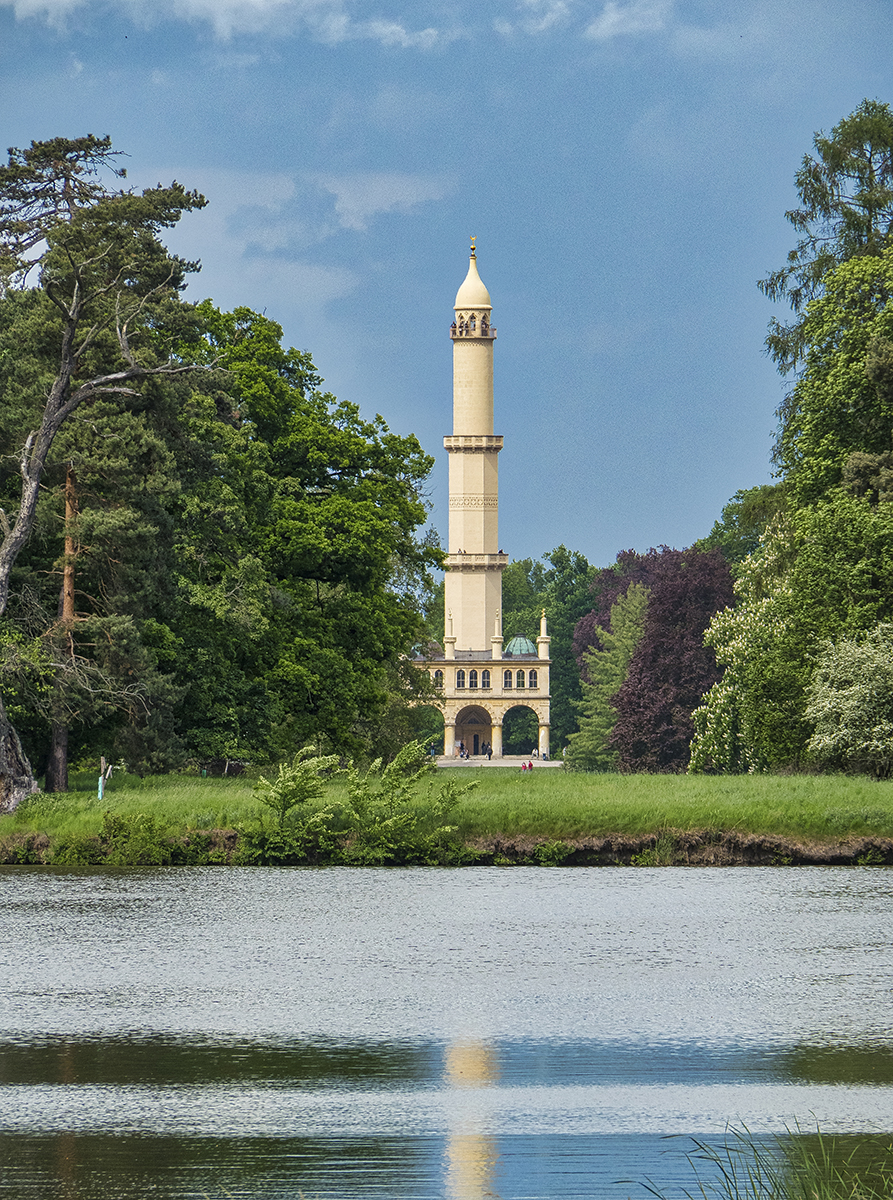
(473, 729)
(476, 726)
(520, 730)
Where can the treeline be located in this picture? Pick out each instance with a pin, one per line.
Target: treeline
(220, 559)
(768, 645)
(206, 556)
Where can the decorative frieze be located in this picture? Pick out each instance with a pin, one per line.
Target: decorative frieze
(467, 500)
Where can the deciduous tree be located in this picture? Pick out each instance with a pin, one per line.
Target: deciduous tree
(743, 521)
(97, 257)
(843, 402)
(846, 211)
(671, 667)
(851, 703)
(822, 572)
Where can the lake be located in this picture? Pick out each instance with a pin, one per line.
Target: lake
(424, 1033)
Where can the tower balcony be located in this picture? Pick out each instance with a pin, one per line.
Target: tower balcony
(472, 329)
(476, 562)
(482, 443)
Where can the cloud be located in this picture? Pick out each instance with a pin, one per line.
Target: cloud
(640, 16)
(260, 228)
(361, 196)
(537, 16)
(326, 20)
(252, 246)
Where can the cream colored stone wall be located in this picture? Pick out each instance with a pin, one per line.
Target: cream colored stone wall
(490, 704)
(472, 598)
(473, 385)
(474, 503)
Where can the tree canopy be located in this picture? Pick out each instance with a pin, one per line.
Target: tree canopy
(846, 211)
(107, 279)
(851, 703)
(591, 747)
(221, 558)
(822, 572)
(669, 668)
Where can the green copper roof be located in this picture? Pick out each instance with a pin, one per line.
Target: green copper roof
(520, 645)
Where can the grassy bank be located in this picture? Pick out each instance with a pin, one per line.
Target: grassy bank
(655, 819)
(561, 804)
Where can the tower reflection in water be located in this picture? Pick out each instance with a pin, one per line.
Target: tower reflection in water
(471, 1154)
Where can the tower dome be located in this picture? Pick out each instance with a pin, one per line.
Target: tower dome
(472, 293)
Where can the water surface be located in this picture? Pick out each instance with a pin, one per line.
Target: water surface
(426, 1033)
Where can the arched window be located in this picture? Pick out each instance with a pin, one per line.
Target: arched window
(438, 679)
(531, 679)
(519, 681)
(471, 324)
(460, 679)
(507, 680)
(472, 679)
(485, 679)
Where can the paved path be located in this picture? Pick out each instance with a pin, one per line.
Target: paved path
(508, 760)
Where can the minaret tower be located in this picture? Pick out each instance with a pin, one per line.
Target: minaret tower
(477, 681)
(474, 565)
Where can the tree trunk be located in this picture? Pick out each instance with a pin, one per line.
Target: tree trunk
(56, 779)
(57, 766)
(16, 777)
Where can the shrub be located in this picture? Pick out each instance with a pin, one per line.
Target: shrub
(851, 703)
(390, 822)
(134, 841)
(298, 783)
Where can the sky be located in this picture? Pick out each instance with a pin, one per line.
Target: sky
(625, 166)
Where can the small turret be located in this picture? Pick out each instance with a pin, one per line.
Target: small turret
(543, 641)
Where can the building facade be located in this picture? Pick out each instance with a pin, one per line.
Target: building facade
(478, 680)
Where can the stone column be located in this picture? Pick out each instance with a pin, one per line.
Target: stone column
(497, 739)
(544, 740)
(449, 739)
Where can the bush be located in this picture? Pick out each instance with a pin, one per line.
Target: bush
(851, 704)
(136, 841)
(389, 822)
(298, 783)
(78, 851)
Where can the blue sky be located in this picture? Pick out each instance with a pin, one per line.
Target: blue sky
(625, 165)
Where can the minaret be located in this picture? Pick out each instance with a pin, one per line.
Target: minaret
(478, 681)
(474, 564)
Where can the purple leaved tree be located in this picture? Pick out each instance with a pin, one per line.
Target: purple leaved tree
(671, 667)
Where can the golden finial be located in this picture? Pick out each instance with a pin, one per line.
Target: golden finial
(473, 250)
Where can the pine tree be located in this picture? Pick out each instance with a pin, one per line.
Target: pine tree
(590, 749)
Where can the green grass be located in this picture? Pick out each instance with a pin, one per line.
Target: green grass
(549, 804)
(560, 804)
(178, 802)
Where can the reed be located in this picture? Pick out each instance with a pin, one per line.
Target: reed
(793, 1166)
